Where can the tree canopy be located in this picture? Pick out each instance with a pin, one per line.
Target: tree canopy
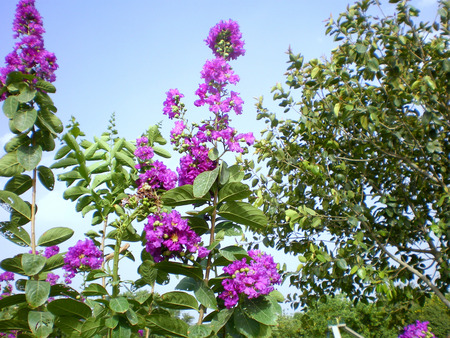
(358, 184)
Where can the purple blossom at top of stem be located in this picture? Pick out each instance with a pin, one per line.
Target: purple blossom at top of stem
(81, 257)
(52, 278)
(29, 54)
(417, 330)
(252, 279)
(225, 40)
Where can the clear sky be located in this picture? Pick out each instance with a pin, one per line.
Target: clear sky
(122, 56)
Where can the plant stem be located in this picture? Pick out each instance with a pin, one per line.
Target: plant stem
(102, 248)
(211, 241)
(116, 288)
(33, 211)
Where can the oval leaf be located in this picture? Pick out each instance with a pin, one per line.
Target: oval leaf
(19, 184)
(119, 304)
(69, 307)
(15, 203)
(24, 120)
(46, 177)
(179, 300)
(37, 292)
(183, 195)
(32, 264)
(234, 191)
(29, 156)
(204, 181)
(55, 236)
(243, 213)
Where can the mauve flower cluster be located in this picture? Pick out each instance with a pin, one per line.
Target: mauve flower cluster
(51, 251)
(417, 330)
(225, 40)
(172, 105)
(153, 173)
(168, 235)
(7, 277)
(217, 75)
(253, 280)
(83, 256)
(29, 54)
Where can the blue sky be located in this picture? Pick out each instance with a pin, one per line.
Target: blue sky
(122, 56)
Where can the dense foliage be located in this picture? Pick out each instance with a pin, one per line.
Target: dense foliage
(358, 167)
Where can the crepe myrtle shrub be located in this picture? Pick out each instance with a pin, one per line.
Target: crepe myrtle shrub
(358, 183)
(131, 197)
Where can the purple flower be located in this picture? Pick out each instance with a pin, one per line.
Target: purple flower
(29, 54)
(51, 251)
(6, 276)
(168, 235)
(157, 176)
(225, 40)
(52, 278)
(172, 105)
(417, 330)
(253, 280)
(83, 256)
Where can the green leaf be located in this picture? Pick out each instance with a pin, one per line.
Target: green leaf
(92, 326)
(245, 325)
(9, 165)
(167, 325)
(69, 307)
(342, 264)
(19, 184)
(183, 195)
(373, 65)
(199, 331)
(54, 262)
(24, 120)
(37, 292)
(179, 300)
(112, 322)
(65, 162)
(74, 192)
(148, 272)
(198, 224)
(221, 318)
(236, 173)
(213, 154)
(233, 253)
(46, 86)
(119, 304)
(261, 310)
(187, 284)
(41, 323)
(50, 122)
(13, 324)
(161, 152)
(180, 269)
(15, 234)
(361, 273)
(125, 159)
(95, 290)
(13, 264)
(46, 177)
(26, 94)
(205, 295)
(234, 191)
(11, 300)
(10, 106)
(69, 326)
(15, 203)
(32, 264)
(99, 179)
(132, 317)
(204, 181)
(243, 213)
(29, 156)
(55, 236)
(17, 141)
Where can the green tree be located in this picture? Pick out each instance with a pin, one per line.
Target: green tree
(359, 184)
